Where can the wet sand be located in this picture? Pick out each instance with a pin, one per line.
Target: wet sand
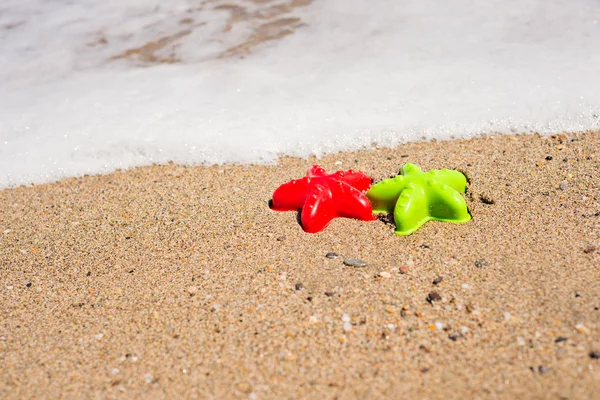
(180, 282)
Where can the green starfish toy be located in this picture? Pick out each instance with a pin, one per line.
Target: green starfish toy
(417, 197)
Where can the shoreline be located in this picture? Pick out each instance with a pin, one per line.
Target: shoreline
(174, 281)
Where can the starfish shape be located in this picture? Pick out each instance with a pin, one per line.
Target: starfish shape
(416, 197)
(321, 197)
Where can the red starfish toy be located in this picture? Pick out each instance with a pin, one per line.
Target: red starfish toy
(321, 197)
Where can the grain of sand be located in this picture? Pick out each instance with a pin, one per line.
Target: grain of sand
(180, 282)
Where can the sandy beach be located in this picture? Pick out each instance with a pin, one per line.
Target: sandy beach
(180, 282)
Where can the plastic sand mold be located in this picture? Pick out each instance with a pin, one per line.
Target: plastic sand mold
(414, 197)
(321, 197)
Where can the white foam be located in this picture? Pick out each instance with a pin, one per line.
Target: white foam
(356, 73)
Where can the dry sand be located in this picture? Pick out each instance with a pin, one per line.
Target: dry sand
(180, 282)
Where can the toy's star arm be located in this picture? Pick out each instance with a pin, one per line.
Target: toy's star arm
(316, 171)
(290, 196)
(384, 194)
(455, 179)
(410, 169)
(318, 209)
(356, 179)
(446, 204)
(352, 203)
(411, 210)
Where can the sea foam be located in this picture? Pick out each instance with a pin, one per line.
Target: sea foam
(352, 73)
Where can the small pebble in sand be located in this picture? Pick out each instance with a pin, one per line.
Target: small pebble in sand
(548, 158)
(595, 354)
(520, 341)
(332, 255)
(438, 280)
(560, 339)
(244, 387)
(280, 238)
(299, 286)
(563, 186)
(354, 262)
(542, 369)
(385, 274)
(148, 377)
(582, 329)
(403, 269)
(589, 249)
(485, 198)
(481, 263)
(434, 296)
(192, 290)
